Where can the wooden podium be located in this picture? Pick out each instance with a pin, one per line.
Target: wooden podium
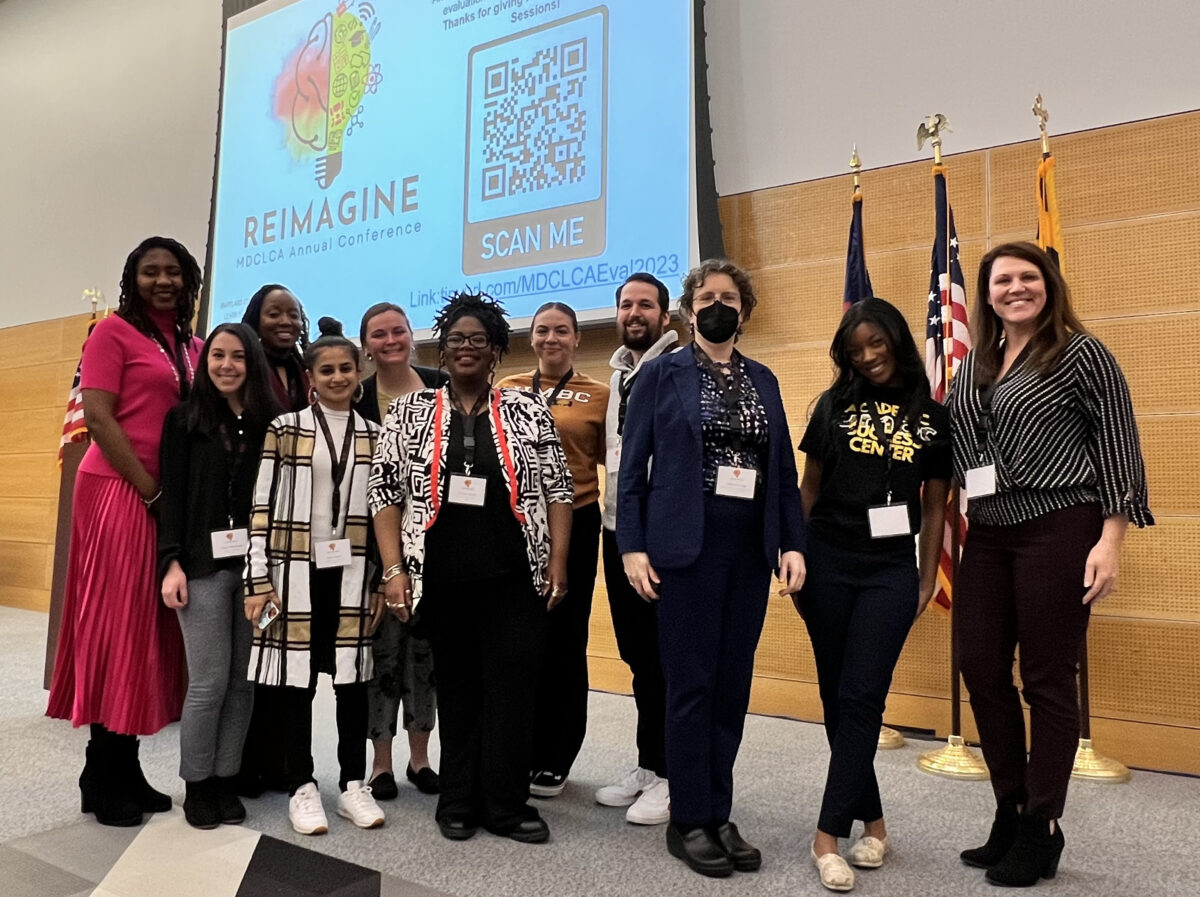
(72, 455)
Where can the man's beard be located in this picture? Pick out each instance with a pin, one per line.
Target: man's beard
(640, 343)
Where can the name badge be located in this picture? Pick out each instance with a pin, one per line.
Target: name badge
(736, 482)
(230, 543)
(466, 490)
(981, 481)
(334, 553)
(889, 520)
(612, 459)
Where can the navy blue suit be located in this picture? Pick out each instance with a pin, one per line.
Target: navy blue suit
(714, 555)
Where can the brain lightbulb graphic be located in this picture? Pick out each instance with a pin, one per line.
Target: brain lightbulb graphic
(325, 82)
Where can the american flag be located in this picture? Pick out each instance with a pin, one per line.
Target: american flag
(74, 427)
(947, 340)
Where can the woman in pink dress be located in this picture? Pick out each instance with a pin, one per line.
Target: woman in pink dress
(119, 666)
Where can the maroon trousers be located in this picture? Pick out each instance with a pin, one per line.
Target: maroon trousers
(1022, 585)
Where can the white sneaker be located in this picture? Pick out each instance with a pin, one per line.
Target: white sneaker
(305, 811)
(653, 807)
(626, 790)
(357, 805)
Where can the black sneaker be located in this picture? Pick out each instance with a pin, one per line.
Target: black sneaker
(547, 784)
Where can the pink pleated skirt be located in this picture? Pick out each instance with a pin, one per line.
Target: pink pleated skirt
(120, 659)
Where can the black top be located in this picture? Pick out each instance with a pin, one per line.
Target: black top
(733, 421)
(203, 485)
(368, 405)
(472, 543)
(1063, 439)
(852, 445)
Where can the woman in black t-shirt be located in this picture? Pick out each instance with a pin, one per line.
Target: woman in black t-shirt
(874, 440)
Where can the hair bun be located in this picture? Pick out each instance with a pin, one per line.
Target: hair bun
(330, 327)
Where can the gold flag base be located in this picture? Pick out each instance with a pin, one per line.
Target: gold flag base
(1093, 767)
(890, 739)
(954, 761)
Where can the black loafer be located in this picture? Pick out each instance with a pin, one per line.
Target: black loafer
(746, 857)
(457, 828)
(529, 831)
(424, 778)
(383, 787)
(697, 848)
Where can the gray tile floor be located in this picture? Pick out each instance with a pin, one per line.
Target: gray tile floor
(1121, 840)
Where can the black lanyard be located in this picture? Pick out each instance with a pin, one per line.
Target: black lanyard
(730, 390)
(864, 409)
(624, 388)
(337, 462)
(468, 419)
(554, 394)
(234, 452)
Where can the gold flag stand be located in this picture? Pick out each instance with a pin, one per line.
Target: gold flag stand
(955, 760)
(889, 739)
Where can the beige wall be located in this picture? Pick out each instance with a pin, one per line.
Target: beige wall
(1131, 224)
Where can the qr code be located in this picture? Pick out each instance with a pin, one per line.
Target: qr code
(535, 121)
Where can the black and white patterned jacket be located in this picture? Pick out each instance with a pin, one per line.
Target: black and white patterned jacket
(411, 453)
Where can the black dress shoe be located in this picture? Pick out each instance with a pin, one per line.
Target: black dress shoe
(746, 857)
(528, 831)
(424, 778)
(697, 848)
(457, 828)
(383, 786)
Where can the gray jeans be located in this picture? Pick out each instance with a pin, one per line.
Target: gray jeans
(216, 711)
(403, 675)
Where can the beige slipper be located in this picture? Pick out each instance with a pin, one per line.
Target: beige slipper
(868, 852)
(836, 875)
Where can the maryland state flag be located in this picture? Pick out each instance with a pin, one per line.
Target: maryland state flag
(858, 281)
(1049, 232)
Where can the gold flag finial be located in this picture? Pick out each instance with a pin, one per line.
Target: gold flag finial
(931, 129)
(95, 297)
(1042, 115)
(855, 165)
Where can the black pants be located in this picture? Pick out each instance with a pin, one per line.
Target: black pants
(487, 639)
(710, 616)
(295, 704)
(635, 624)
(858, 607)
(1022, 585)
(560, 717)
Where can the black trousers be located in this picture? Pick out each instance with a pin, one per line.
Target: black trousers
(560, 714)
(710, 616)
(1021, 585)
(487, 637)
(635, 623)
(859, 607)
(295, 704)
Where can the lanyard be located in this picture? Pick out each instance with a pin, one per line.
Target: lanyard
(468, 418)
(337, 462)
(864, 410)
(234, 453)
(557, 391)
(624, 388)
(730, 389)
(181, 360)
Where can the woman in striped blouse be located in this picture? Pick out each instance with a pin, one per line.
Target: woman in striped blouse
(1046, 447)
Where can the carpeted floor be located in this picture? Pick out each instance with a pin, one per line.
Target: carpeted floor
(1121, 840)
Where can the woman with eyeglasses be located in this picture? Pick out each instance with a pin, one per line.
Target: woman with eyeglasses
(472, 500)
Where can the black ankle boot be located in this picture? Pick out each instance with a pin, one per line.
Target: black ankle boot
(1033, 855)
(102, 792)
(1001, 838)
(231, 810)
(200, 804)
(136, 786)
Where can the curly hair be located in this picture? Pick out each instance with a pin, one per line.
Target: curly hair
(480, 306)
(253, 314)
(132, 308)
(695, 278)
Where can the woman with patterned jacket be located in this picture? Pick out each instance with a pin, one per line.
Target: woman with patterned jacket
(307, 578)
(472, 501)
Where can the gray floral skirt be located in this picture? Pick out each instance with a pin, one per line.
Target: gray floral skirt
(403, 677)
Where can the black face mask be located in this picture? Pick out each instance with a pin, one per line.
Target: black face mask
(717, 322)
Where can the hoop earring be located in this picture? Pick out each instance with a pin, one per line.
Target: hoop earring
(360, 392)
(313, 395)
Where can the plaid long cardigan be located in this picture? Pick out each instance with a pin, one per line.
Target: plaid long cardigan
(280, 552)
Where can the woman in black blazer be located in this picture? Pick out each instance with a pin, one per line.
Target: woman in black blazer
(706, 442)
(403, 657)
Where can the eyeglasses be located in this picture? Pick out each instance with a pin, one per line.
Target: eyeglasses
(474, 340)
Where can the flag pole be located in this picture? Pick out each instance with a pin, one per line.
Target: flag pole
(889, 738)
(1089, 765)
(955, 760)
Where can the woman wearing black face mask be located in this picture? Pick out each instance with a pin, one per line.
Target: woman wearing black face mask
(706, 440)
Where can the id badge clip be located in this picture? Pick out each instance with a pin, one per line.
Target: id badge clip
(736, 482)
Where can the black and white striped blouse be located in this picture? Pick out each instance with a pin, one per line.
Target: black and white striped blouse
(1059, 440)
